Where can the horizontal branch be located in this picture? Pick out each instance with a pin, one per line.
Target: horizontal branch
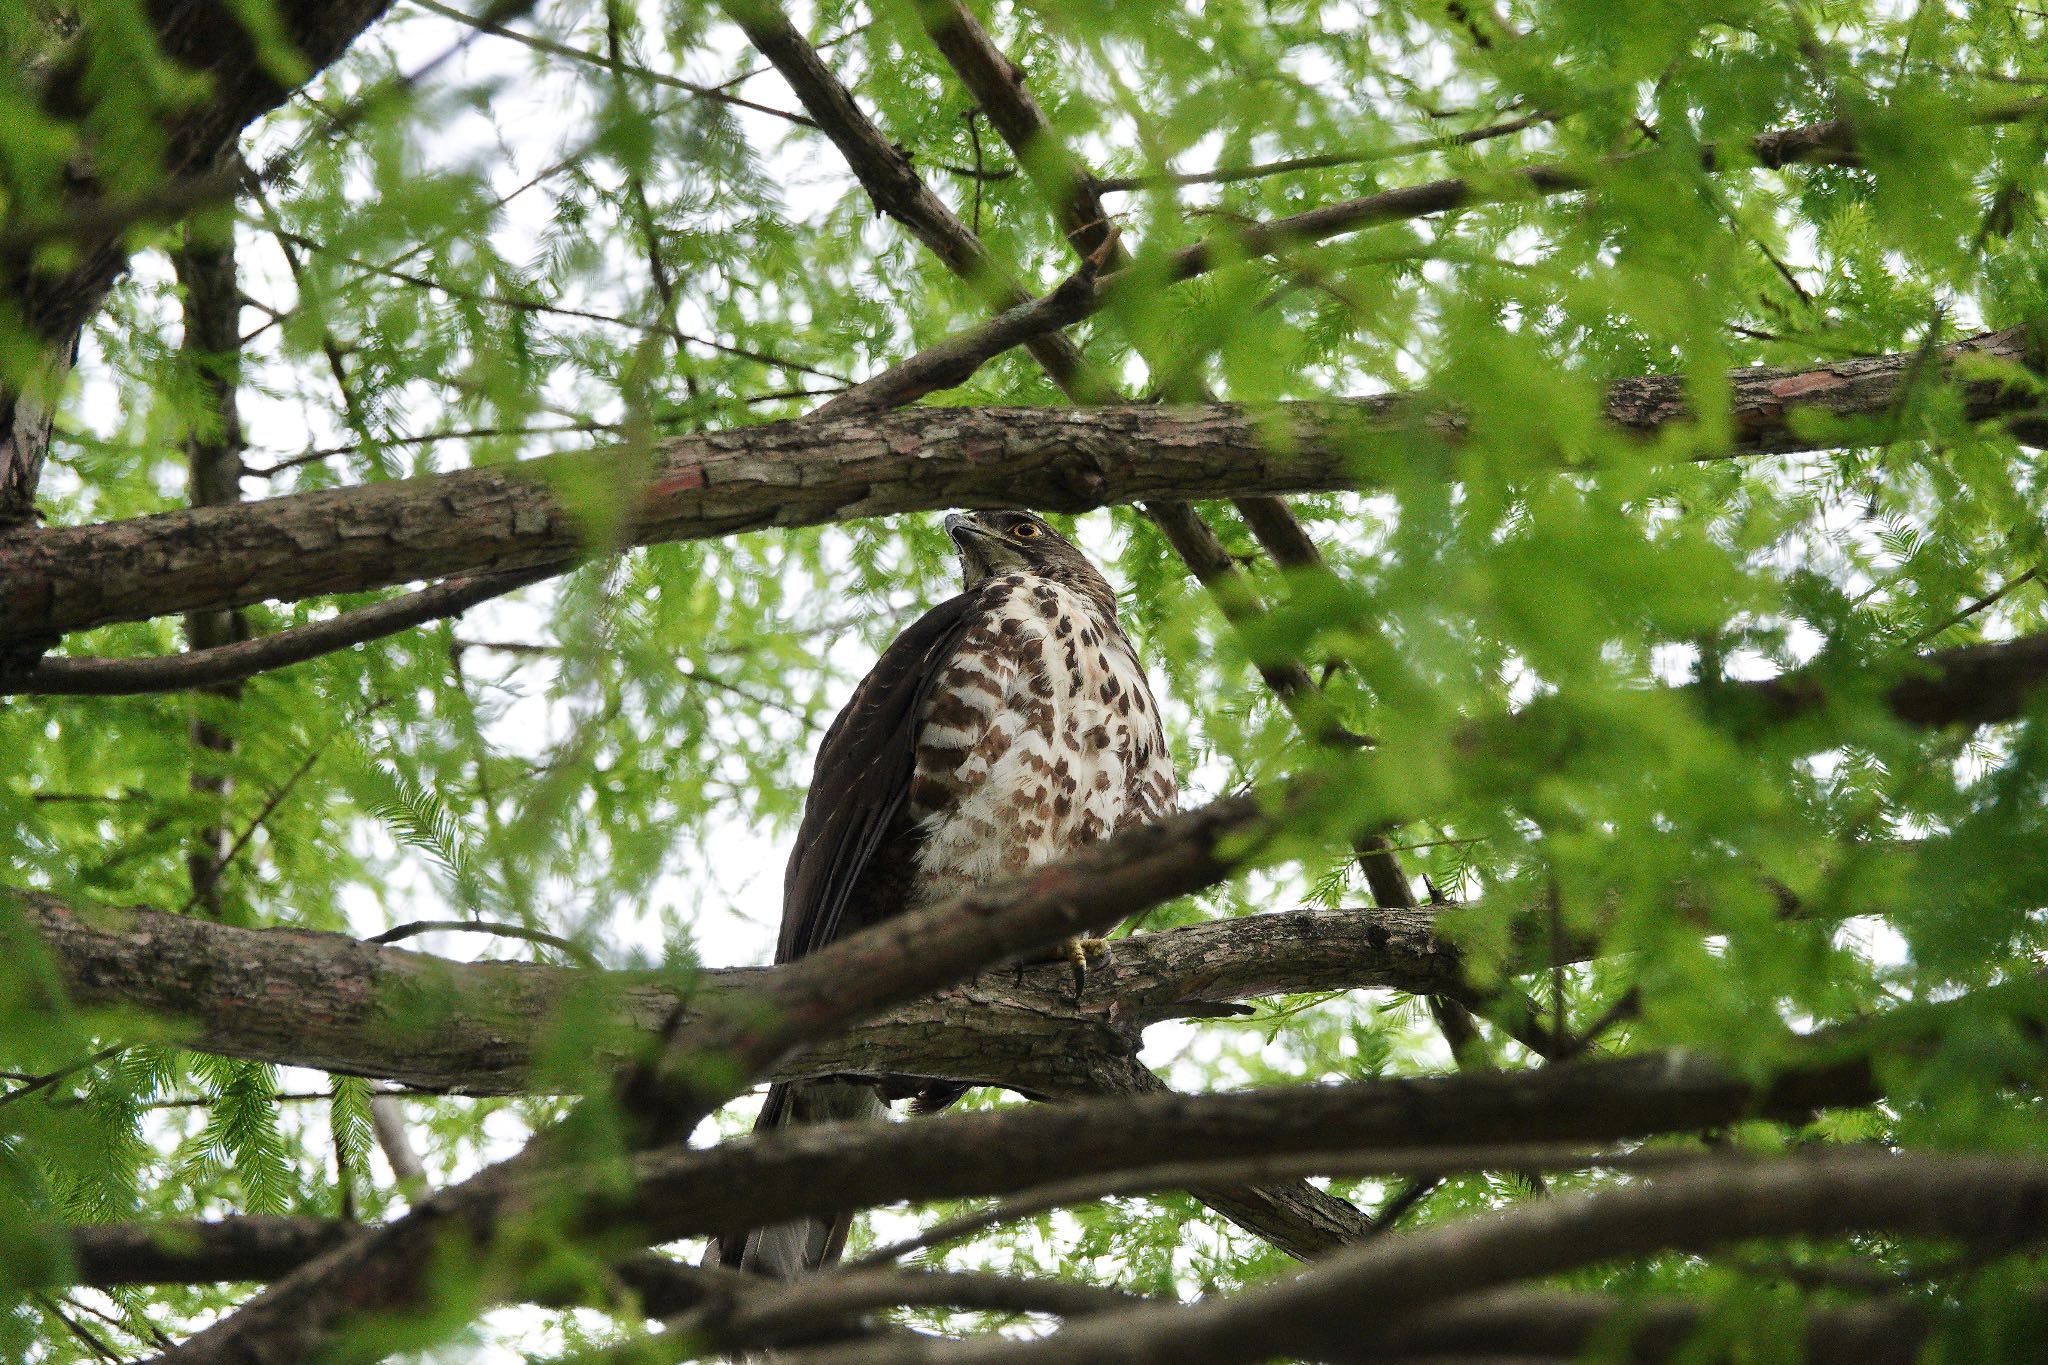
(258, 1249)
(677, 1191)
(325, 1001)
(1343, 1305)
(1833, 142)
(1519, 1322)
(96, 677)
(784, 1174)
(711, 1054)
(483, 23)
(813, 470)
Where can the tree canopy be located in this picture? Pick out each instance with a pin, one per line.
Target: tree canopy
(1572, 469)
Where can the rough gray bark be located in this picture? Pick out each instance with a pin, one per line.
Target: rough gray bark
(815, 470)
(328, 1001)
(678, 1191)
(259, 1249)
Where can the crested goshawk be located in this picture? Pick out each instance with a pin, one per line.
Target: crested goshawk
(1009, 725)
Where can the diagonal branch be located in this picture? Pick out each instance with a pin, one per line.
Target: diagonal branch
(96, 677)
(1358, 1297)
(241, 78)
(344, 999)
(678, 1191)
(713, 1055)
(484, 23)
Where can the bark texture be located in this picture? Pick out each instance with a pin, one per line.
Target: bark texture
(808, 471)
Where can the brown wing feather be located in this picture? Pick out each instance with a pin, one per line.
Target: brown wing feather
(861, 783)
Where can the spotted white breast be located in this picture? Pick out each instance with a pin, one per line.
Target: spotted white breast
(1041, 736)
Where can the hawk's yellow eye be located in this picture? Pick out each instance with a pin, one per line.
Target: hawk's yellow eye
(1024, 530)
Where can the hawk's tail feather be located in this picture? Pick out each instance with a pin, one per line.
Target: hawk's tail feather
(787, 1250)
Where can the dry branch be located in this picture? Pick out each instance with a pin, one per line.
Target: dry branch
(809, 471)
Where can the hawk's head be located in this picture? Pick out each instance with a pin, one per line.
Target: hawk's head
(1018, 542)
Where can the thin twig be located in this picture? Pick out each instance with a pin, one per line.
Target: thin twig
(32, 1084)
(1989, 599)
(1120, 184)
(275, 799)
(609, 63)
(415, 928)
(1430, 1162)
(491, 300)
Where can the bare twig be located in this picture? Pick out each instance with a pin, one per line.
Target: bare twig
(1229, 175)
(609, 62)
(1432, 1163)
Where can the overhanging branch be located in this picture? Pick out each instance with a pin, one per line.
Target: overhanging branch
(814, 470)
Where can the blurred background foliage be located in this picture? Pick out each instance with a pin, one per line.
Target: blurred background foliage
(599, 231)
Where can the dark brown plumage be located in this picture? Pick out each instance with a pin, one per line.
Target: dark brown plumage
(1005, 727)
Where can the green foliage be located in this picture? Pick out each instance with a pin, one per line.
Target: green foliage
(529, 252)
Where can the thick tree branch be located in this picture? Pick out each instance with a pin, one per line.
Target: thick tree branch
(714, 1054)
(816, 470)
(1563, 1325)
(1439, 1123)
(328, 1001)
(300, 998)
(1881, 1332)
(1345, 1305)
(675, 1192)
(1295, 1216)
(678, 1192)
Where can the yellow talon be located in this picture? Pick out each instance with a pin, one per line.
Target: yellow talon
(1080, 952)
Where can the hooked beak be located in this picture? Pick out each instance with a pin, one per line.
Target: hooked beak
(961, 526)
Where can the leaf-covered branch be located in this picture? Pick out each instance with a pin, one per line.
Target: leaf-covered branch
(817, 470)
